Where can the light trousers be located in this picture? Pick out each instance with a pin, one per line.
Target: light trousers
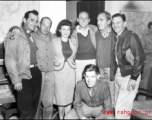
(124, 98)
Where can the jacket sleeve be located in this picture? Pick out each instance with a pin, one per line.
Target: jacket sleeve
(74, 47)
(11, 59)
(107, 105)
(107, 99)
(139, 56)
(78, 102)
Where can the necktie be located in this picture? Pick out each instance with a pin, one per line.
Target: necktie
(92, 92)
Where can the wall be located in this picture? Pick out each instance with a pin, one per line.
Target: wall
(112, 7)
(71, 10)
(115, 6)
(11, 13)
(56, 10)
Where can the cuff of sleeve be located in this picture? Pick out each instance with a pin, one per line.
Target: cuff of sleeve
(14, 81)
(134, 78)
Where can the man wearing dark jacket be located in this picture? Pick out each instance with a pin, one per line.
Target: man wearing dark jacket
(126, 64)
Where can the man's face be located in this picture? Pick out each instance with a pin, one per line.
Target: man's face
(83, 19)
(65, 31)
(102, 22)
(45, 26)
(91, 78)
(32, 22)
(118, 24)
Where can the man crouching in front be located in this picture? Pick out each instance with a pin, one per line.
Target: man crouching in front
(92, 97)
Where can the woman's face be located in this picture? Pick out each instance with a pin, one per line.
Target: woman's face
(65, 31)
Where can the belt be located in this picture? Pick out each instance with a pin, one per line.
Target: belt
(33, 65)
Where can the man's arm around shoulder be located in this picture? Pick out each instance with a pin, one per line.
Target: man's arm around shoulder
(11, 59)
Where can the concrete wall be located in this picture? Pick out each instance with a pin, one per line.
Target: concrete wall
(56, 10)
(112, 7)
(115, 6)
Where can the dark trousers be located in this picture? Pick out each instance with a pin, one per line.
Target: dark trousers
(145, 83)
(28, 98)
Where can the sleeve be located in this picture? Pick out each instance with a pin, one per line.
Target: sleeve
(77, 102)
(11, 59)
(107, 105)
(139, 56)
(107, 99)
(74, 47)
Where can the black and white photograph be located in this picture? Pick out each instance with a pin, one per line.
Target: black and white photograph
(75, 59)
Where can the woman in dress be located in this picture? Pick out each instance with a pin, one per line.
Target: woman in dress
(65, 49)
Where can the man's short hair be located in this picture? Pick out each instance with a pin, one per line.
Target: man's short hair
(108, 15)
(123, 17)
(149, 25)
(91, 67)
(45, 18)
(26, 15)
(83, 12)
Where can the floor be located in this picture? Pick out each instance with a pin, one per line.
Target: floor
(15, 116)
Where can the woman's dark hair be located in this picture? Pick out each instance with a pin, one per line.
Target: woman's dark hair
(91, 67)
(64, 22)
(123, 17)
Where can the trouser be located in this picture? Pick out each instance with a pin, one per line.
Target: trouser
(89, 112)
(125, 98)
(47, 94)
(28, 98)
(80, 65)
(105, 74)
(145, 78)
(45, 108)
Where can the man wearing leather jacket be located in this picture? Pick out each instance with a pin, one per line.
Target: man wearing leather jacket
(126, 65)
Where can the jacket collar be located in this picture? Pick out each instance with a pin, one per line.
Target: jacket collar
(84, 33)
(125, 31)
(23, 32)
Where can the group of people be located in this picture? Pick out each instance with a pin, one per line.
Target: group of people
(73, 68)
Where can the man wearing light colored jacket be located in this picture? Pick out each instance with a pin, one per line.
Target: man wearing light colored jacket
(21, 65)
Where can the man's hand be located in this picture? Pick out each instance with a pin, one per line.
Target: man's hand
(18, 86)
(131, 84)
(15, 32)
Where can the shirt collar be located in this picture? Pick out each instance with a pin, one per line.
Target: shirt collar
(26, 31)
(84, 33)
(105, 34)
